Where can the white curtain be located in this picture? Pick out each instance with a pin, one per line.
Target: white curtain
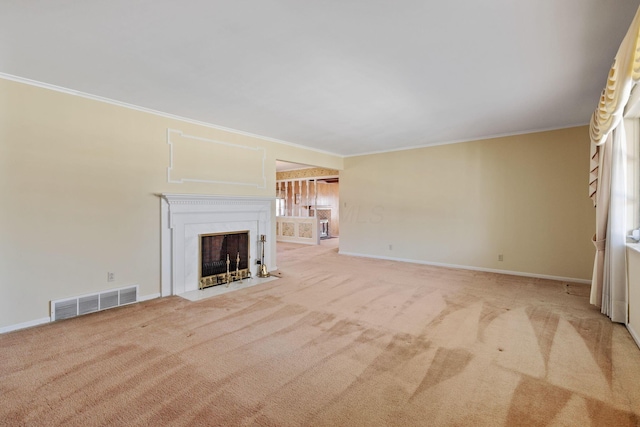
(607, 180)
(613, 293)
(601, 180)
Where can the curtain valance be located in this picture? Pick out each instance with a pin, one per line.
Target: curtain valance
(624, 73)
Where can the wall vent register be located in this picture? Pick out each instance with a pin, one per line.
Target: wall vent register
(90, 303)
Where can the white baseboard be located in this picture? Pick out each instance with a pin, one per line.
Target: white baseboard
(148, 297)
(634, 335)
(29, 324)
(467, 267)
(44, 320)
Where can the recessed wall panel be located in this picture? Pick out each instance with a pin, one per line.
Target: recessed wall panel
(197, 159)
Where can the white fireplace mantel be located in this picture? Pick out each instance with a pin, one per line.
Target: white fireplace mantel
(186, 216)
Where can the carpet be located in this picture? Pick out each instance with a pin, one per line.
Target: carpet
(335, 341)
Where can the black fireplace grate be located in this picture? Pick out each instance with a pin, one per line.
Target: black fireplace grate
(214, 267)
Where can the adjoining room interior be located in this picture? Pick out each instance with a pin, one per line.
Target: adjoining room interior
(307, 203)
(349, 213)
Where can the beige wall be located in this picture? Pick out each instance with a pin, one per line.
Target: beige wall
(78, 183)
(463, 204)
(633, 266)
(632, 130)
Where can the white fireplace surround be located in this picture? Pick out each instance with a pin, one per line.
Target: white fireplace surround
(186, 216)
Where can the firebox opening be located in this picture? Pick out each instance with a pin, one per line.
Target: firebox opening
(224, 258)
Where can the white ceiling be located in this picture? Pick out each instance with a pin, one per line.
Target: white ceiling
(347, 77)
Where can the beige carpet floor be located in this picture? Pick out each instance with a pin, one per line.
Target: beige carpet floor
(336, 341)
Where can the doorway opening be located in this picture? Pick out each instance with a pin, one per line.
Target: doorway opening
(307, 203)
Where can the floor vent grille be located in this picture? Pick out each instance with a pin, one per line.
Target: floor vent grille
(84, 304)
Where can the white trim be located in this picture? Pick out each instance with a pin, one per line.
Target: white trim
(256, 150)
(296, 169)
(310, 178)
(149, 297)
(632, 108)
(154, 112)
(468, 267)
(634, 246)
(24, 325)
(634, 335)
(458, 141)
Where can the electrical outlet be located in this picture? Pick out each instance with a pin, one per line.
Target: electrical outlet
(500, 257)
(390, 247)
(111, 277)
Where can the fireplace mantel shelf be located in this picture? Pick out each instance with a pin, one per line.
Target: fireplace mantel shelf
(207, 199)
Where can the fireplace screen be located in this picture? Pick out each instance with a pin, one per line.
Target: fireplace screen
(224, 258)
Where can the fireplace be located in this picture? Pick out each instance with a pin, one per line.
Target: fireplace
(187, 217)
(224, 258)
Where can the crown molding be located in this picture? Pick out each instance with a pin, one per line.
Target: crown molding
(98, 98)
(68, 91)
(477, 139)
